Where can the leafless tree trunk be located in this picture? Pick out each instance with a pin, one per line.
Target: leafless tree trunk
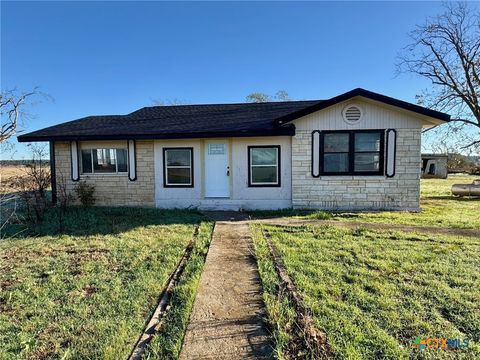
(446, 51)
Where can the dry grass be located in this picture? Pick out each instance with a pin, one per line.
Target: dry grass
(7, 172)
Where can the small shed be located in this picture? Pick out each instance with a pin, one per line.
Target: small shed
(434, 166)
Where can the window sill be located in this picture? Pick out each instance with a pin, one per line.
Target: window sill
(264, 185)
(104, 174)
(178, 186)
(351, 177)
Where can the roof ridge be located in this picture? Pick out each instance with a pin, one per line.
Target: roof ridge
(225, 104)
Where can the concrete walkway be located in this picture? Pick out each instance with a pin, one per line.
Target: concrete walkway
(226, 321)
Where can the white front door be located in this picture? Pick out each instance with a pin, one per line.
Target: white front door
(217, 169)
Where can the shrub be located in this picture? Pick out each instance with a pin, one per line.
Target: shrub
(85, 193)
(64, 197)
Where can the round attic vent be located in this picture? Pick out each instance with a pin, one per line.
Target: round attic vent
(352, 113)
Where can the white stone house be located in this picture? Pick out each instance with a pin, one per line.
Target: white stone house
(356, 151)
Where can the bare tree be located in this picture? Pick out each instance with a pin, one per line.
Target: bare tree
(11, 110)
(32, 185)
(254, 97)
(169, 102)
(12, 106)
(282, 95)
(258, 97)
(446, 51)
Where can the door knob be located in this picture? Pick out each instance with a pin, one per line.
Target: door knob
(228, 170)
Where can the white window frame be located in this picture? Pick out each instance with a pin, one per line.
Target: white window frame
(166, 167)
(251, 183)
(103, 172)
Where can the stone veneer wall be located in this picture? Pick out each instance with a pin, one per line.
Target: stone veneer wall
(401, 192)
(113, 190)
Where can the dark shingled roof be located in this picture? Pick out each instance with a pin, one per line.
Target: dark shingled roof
(182, 121)
(196, 121)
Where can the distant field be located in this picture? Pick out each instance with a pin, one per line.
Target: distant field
(11, 170)
(7, 172)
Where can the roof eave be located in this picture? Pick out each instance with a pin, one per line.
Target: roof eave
(280, 131)
(442, 117)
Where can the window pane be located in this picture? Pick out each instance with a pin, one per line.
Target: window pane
(335, 142)
(216, 149)
(335, 162)
(122, 160)
(367, 142)
(104, 160)
(180, 176)
(180, 157)
(367, 162)
(86, 161)
(264, 156)
(264, 174)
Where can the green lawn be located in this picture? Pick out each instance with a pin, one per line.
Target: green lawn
(372, 292)
(280, 312)
(167, 343)
(438, 188)
(439, 208)
(87, 291)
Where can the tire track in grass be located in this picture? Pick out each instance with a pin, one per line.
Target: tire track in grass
(162, 308)
(296, 336)
(309, 339)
